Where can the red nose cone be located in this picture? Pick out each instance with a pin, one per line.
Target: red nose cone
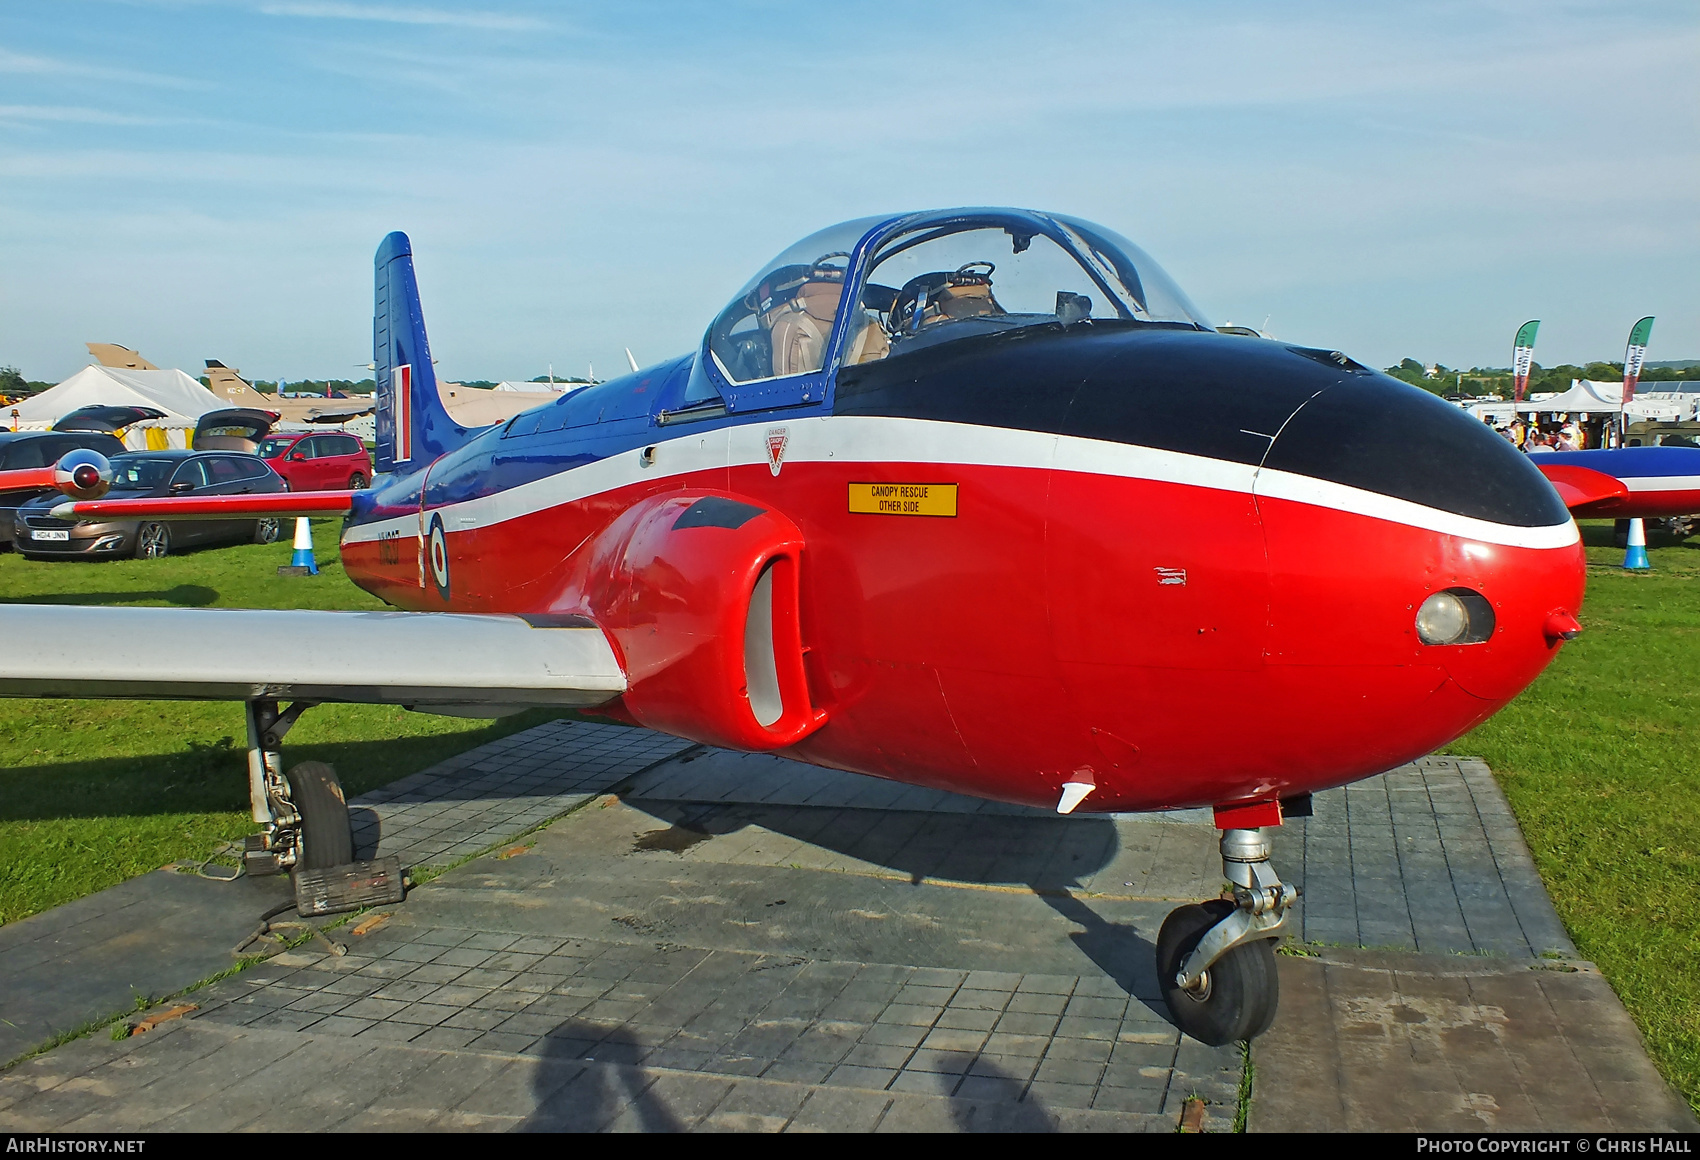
(1561, 626)
(85, 476)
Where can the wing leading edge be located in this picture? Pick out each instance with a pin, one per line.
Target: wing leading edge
(461, 664)
(281, 504)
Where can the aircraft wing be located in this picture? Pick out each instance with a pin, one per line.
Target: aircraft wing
(1581, 488)
(27, 477)
(206, 507)
(339, 414)
(463, 664)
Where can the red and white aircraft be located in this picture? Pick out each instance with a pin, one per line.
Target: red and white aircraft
(973, 499)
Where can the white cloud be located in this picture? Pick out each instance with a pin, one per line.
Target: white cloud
(403, 14)
(75, 115)
(1392, 181)
(18, 63)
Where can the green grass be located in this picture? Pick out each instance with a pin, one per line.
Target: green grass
(1601, 763)
(94, 792)
(1598, 759)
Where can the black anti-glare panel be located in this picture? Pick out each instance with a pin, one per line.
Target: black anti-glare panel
(1237, 399)
(713, 511)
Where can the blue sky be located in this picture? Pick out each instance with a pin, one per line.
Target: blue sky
(210, 179)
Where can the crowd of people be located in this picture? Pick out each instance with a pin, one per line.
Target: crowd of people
(1532, 438)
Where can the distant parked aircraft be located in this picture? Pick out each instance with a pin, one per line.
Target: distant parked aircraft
(110, 354)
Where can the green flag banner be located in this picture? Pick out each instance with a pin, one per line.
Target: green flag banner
(1522, 356)
(1633, 356)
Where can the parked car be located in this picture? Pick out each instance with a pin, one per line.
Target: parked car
(108, 420)
(20, 450)
(310, 462)
(1660, 433)
(232, 429)
(136, 474)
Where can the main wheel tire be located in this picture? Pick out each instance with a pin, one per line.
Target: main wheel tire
(266, 531)
(153, 541)
(1240, 991)
(356, 482)
(326, 839)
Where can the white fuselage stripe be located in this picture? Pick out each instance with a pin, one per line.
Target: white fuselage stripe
(876, 440)
(1661, 482)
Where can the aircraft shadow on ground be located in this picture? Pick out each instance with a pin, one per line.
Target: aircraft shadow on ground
(204, 778)
(182, 596)
(1047, 855)
(569, 1100)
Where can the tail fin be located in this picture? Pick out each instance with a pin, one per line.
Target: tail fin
(110, 354)
(414, 428)
(228, 384)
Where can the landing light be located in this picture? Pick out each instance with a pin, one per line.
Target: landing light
(1455, 616)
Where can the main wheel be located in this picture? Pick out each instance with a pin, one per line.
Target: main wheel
(326, 839)
(153, 541)
(1238, 997)
(266, 530)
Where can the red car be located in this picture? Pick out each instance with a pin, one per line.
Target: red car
(310, 462)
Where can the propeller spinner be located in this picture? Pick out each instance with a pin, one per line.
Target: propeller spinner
(83, 474)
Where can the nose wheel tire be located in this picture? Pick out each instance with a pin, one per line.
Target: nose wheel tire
(1240, 992)
(153, 541)
(326, 839)
(266, 531)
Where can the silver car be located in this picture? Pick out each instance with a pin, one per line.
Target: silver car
(135, 474)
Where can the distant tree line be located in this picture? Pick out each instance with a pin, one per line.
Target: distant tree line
(1449, 381)
(1446, 381)
(311, 387)
(14, 386)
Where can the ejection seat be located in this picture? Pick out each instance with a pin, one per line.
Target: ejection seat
(800, 326)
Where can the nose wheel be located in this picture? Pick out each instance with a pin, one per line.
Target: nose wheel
(1235, 998)
(1216, 959)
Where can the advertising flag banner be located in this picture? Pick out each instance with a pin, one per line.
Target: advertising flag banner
(1633, 355)
(1522, 357)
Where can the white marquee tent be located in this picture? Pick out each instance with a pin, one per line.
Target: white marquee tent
(1586, 397)
(1593, 398)
(175, 393)
(1582, 397)
(181, 398)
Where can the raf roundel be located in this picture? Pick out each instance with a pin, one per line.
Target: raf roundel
(437, 556)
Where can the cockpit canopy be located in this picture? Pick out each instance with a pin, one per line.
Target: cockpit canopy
(935, 277)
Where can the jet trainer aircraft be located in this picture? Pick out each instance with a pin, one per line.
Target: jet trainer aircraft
(973, 499)
(1626, 482)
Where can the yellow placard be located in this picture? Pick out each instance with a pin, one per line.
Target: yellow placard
(903, 499)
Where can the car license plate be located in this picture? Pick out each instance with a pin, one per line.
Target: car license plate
(64, 535)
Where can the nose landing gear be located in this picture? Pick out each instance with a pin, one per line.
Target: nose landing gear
(1216, 960)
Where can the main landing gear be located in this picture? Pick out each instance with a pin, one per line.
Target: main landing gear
(1216, 960)
(303, 812)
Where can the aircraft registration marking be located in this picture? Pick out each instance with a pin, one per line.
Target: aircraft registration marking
(903, 499)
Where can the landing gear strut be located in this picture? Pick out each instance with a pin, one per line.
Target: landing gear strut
(304, 815)
(1216, 960)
